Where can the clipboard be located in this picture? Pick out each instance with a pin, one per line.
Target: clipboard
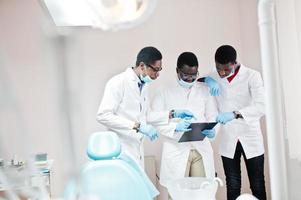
(195, 133)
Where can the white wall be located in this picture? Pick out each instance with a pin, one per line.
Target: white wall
(93, 56)
(30, 111)
(289, 41)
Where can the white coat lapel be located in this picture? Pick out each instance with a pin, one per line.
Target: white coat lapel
(132, 80)
(239, 76)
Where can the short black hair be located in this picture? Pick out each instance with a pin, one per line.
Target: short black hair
(225, 54)
(187, 58)
(148, 55)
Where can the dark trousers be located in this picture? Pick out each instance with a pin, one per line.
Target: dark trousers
(255, 169)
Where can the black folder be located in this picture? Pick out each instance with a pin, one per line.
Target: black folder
(195, 134)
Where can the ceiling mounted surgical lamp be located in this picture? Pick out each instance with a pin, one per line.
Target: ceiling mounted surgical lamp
(104, 14)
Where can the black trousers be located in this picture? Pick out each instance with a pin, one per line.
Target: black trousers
(255, 169)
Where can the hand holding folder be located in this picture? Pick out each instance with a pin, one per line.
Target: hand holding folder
(195, 133)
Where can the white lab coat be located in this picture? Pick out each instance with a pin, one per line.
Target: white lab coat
(175, 155)
(122, 105)
(245, 93)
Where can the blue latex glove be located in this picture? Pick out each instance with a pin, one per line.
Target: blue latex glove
(210, 133)
(225, 117)
(183, 114)
(183, 125)
(149, 131)
(213, 85)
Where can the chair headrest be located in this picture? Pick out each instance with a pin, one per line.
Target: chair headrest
(103, 146)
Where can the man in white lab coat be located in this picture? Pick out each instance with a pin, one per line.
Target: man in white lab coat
(124, 106)
(241, 105)
(185, 159)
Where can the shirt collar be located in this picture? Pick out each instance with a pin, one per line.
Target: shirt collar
(132, 75)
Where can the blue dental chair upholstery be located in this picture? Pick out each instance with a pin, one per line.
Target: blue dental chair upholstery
(111, 175)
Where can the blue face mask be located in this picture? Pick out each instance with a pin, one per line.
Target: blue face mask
(185, 84)
(146, 79)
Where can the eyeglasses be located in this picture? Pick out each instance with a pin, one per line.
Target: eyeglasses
(153, 68)
(187, 76)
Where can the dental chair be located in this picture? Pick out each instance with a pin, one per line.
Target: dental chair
(112, 175)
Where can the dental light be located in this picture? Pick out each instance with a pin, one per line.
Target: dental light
(105, 14)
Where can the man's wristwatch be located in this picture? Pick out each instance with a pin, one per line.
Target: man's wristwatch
(171, 114)
(237, 115)
(136, 127)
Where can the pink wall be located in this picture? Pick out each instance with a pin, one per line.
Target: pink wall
(92, 56)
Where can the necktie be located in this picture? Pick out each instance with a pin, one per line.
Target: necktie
(140, 85)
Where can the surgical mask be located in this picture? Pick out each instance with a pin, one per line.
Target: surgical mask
(185, 84)
(146, 79)
(231, 73)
